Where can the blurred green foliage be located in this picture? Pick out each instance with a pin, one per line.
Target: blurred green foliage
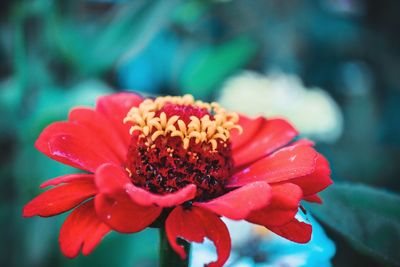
(210, 65)
(368, 217)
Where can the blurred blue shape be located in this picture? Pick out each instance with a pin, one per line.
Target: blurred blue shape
(150, 69)
(316, 253)
(250, 249)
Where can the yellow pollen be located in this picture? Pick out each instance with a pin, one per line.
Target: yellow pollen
(205, 129)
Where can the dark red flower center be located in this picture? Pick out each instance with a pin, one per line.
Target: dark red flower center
(175, 144)
(184, 112)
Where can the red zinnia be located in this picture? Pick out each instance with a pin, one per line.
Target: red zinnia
(179, 159)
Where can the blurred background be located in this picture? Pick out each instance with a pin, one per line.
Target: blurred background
(330, 66)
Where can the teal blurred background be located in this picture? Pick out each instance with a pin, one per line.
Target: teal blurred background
(332, 67)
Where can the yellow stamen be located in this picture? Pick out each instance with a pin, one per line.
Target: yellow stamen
(205, 129)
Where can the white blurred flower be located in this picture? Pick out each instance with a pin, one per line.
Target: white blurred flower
(255, 246)
(313, 111)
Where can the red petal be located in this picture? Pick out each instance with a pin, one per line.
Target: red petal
(285, 164)
(294, 230)
(74, 145)
(194, 225)
(124, 215)
(316, 181)
(115, 107)
(303, 142)
(111, 179)
(143, 197)
(313, 198)
(67, 179)
(238, 203)
(100, 126)
(70, 150)
(284, 206)
(272, 135)
(59, 199)
(250, 128)
(81, 229)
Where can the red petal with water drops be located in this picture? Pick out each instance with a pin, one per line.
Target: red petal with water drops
(81, 230)
(74, 145)
(316, 181)
(285, 164)
(123, 215)
(111, 179)
(238, 203)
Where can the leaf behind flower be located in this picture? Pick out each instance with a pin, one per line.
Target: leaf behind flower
(369, 218)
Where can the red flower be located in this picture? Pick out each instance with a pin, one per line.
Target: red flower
(178, 157)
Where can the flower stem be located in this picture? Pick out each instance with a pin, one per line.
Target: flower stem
(168, 256)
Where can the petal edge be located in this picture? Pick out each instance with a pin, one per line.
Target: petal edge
(194, 225)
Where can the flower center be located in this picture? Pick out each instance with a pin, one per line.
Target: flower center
(177, 141)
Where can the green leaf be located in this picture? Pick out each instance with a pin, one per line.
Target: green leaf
(93, 48)
(369, 218)
(211, 65)
(30, 167)
(190, 11)
(53, 104)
